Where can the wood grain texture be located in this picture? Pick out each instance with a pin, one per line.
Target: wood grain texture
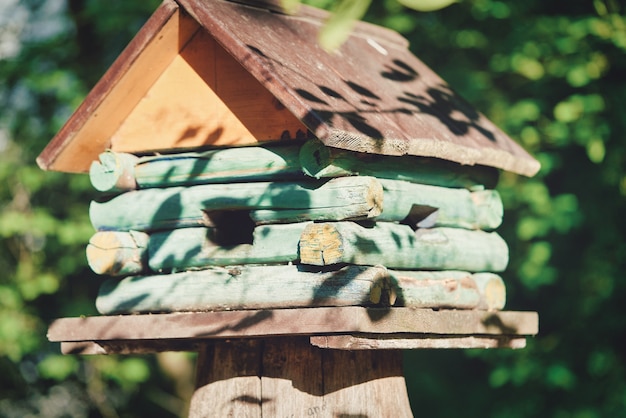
(245, 287)
(305, 321)
(122, 171)
(333, 342)
(447, 289)
(118, 253)
(294, 379)
(398, 246)
(204, 97)
(175, 207)
(194, 247)
(402, 342)
(228, 380)
(426, 206)
(89, 130)
(372, 96)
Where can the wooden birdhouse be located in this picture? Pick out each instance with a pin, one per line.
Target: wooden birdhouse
(295, 216)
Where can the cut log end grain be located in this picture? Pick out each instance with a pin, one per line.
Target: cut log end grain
(374, 197)
(113, 172)
(321, 244)
(117, 253)
(492, 291)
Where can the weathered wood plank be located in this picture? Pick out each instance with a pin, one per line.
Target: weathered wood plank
(305, 321)
(151, 209)
(243, 287)
(398, 246)
(404, 342)
(426, 206)
(130, 347)
(334, 342)
(320, 161)
(121, 171)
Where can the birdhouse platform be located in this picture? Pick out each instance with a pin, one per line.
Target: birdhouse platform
(341, 361)
(297, 217)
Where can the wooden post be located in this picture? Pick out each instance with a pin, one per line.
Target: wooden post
(288, 377)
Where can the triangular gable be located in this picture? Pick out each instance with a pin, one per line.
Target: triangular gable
(220, 73)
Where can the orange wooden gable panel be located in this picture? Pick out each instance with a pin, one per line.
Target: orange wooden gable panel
(214, 72)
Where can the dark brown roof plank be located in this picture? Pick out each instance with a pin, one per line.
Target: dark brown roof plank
(372, 95)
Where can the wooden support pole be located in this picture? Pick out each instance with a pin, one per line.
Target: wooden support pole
(287, 377)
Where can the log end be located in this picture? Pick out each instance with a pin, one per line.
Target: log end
(117, 253)
(113, 172)
(492, 291)
(321, 245)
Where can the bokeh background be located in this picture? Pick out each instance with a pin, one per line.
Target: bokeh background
(552, 74)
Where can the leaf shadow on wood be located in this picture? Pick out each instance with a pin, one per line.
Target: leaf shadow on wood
(456, 114)
(496, 321)
(293, 374)
(233, 227)
(394, 89)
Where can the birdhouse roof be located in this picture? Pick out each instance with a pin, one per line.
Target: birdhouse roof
(219, 73)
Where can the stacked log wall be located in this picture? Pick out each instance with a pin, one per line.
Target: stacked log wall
(293, 226)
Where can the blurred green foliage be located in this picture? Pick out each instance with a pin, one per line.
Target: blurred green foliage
(548, 73)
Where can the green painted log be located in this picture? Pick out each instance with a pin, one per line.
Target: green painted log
(242, 288)
(290, 286)
(191, 247)
(175, 207)
(121, 172)
(118, 253)
(447, 289)
(426, 206)
(320, 161)
(398, 246)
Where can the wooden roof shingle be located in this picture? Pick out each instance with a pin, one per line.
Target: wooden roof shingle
(215, 72)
